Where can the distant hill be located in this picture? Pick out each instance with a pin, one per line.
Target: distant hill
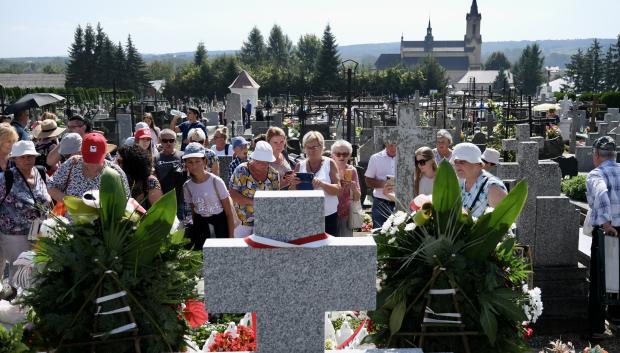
(556, 52)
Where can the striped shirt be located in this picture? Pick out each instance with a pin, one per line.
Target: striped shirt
(475, 200)
(603, 193)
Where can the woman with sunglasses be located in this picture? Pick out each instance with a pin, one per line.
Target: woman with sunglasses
(425, 168)
(350, 185)
(169, 167)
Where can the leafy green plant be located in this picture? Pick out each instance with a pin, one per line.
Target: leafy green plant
(575, 188)
(439, 246)
(99, 255)
(11, 340)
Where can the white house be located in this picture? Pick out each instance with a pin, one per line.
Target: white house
(482, 78)
(247, 88)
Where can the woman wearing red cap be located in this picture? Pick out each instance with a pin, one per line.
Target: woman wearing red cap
(82, 173)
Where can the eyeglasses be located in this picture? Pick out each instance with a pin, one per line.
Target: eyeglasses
(421, 162)
(313, 148)
(168, 140)
(341, 154)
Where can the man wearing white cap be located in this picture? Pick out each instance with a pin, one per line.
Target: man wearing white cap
(479, 188)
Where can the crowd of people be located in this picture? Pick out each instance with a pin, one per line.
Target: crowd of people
(480, 189)
(47, 162)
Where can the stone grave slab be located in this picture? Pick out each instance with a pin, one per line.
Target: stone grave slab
(224, 162)
(408, 136)
(543, 179)
(213, 119)
(259, 127)
(557, 232)
(290, 289)
(577, 122)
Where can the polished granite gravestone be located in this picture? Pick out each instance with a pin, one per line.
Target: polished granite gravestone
(290, 289)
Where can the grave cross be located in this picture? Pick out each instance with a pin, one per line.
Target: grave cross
(408, 137)
(290, 289)
(522, 135)
(577, 121)
(543, 179)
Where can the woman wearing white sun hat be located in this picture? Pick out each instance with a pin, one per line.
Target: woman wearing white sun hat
(248, 178)
(479, 188)
(23, 195)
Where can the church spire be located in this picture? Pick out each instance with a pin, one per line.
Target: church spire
(429, 29)
(474, 8)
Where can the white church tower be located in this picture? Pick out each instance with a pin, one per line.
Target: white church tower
(473, 40)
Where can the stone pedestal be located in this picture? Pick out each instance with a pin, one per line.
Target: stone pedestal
(565, 299)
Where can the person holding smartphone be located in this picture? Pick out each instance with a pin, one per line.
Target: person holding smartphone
(380, 165)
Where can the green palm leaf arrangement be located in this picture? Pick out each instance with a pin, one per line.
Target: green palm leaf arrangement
(104, 250)
(440, 246)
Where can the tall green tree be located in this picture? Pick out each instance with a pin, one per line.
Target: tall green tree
(434, 74)
(528, 71)
(75, 66)
(161, 70)
(501, 82)
(200, 56)
(497, 61)
(119, 72)
(609, 78)
(574, 72)
(253, 51)
(137, 76)
(307, 52)
(88, 58)
(594, 67)
(327, 64)
(279, 47)
(616, 64)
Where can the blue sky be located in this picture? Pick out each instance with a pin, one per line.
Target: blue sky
(45, 28)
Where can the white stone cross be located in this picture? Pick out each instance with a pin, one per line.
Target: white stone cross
(577, 121)
(543, 179)
(408, 137)
(290, 289)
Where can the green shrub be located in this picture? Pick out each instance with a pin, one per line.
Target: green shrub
(611, 99)
(575, 188)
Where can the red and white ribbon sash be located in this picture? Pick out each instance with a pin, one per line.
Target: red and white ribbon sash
(312, 241)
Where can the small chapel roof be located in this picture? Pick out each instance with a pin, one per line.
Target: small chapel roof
(244, 80)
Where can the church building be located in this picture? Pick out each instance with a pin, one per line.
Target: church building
(456, 56)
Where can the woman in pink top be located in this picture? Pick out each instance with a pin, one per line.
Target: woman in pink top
(349, 182)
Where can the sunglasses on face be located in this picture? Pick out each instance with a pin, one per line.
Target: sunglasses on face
(341, 154)
(421, 162)
(168, 140)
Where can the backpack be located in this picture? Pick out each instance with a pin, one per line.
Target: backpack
(43, 150)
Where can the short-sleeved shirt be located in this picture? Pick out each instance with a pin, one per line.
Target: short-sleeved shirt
(281, 168)
(228, 147)
(185, 126)
(138, 193)
(243, 182)
(477, 201)
(234, 164)
(380, 166)
(344, 196)
(211, 157)
(169, 171)
(19, 209)
(78, 184)
(21, 131)
(603, 193)
(206, 196)
(439, 158)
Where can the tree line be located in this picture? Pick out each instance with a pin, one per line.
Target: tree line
(96, 61)
(311, 66)
(595, 69)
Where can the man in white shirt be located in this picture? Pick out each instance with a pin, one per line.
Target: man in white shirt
(380, 165)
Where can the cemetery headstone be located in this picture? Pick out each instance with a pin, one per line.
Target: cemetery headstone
(522, 135)
(290, 289)
(577, 122)
(408, 137)
(233, 111)
(224, 162)
(213, 119)
(584, 153)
